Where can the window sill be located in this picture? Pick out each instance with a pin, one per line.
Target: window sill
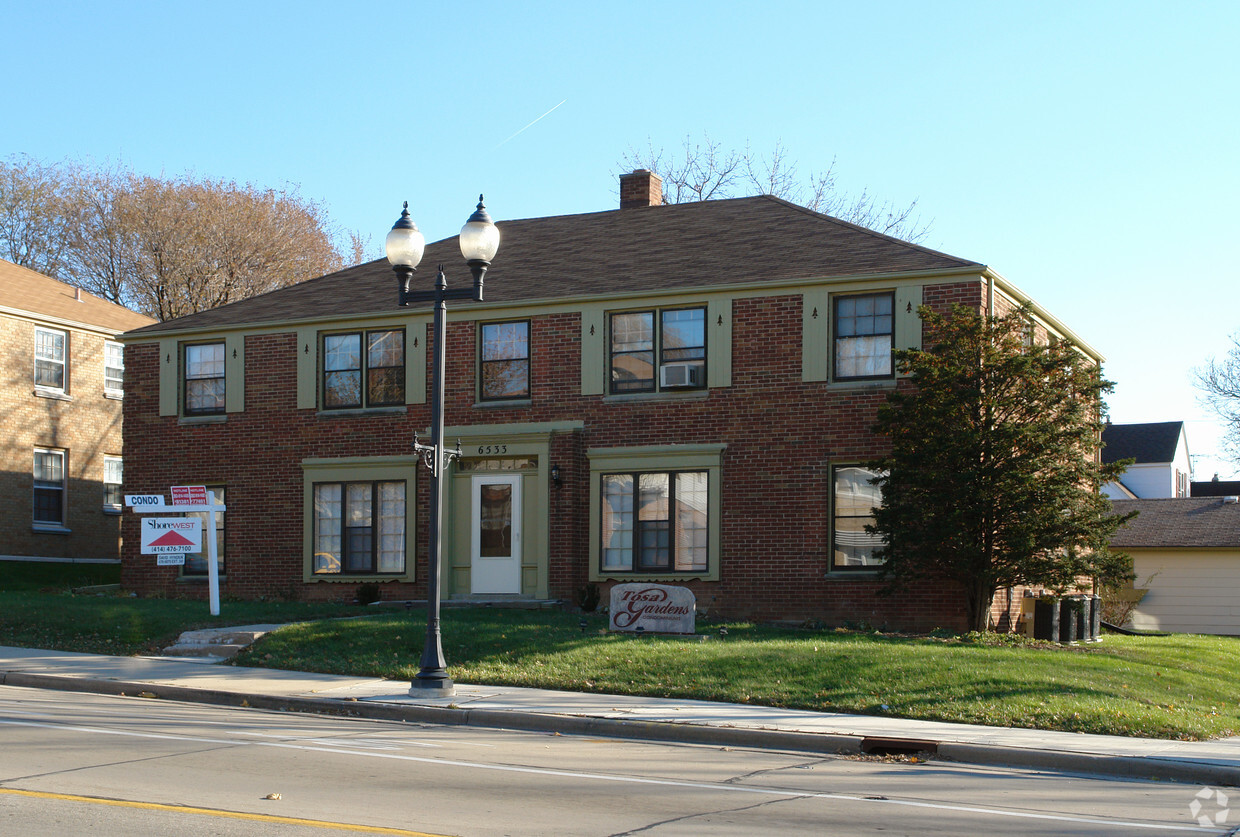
(353, 412)
(867, 574)
(655, 578)
(50, 529)
(55, 395)
(872, 384)
(113, 510)
(198, 579)
(377, 578)
(664, 395)
(211, 419)
(115, 396)
(502, 404)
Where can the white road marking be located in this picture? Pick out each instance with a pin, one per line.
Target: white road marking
(636, 780)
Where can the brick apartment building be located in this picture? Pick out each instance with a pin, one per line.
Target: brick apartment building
(61, 395)
(677, 393)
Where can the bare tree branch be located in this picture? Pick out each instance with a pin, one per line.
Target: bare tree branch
(1219, 381)
(708, 172)
(165, 247)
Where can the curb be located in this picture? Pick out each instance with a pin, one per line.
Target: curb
(1130, 767)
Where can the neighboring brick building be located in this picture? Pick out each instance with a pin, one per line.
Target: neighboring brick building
(678, 393)
(61, 396)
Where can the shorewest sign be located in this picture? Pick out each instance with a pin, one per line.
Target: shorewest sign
(172, 536)
(657, 608)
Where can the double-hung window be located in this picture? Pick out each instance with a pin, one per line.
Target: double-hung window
(853, 501)
(359, 528)
(655, 522)
(49, 487)
(364, 369)
(112, 478)
(204, 379)
(864, 330)
(49, 359)
(653, 351)
(504, 361)
(113, 368)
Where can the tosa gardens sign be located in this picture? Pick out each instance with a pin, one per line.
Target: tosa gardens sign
(653, 608)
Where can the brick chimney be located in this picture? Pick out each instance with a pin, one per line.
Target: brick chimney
(640, 188)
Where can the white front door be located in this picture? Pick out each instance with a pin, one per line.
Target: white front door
(495, 565)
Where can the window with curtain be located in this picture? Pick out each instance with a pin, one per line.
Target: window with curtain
(864, 330)
(654, 522)
(359, 528)
(853, 500)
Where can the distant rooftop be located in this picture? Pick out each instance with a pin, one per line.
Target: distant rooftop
(1146, 443)
(41, 297)
(1200, 522)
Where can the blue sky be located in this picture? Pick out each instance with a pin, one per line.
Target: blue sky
(1086, 151)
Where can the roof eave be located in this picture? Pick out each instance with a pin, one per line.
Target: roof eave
(1016, 293)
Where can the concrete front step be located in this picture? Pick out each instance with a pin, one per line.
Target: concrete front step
(222, 652)
(220, 643)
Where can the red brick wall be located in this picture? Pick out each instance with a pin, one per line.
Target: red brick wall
(782, 436)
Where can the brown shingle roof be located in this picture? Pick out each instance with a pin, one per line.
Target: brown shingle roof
(22, 289)
(1183, 522)
(691, 245)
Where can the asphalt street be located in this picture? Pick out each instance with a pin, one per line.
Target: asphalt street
(83, 763)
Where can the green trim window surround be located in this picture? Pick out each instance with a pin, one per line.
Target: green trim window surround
(656, 512)
(853, 500)
(358, 518)
(355, 379)
(657, 350)
(504, 361)
(203, 376)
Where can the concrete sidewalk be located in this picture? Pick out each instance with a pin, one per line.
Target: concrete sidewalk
(1214, 762)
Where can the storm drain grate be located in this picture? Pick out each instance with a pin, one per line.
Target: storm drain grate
(877, 746)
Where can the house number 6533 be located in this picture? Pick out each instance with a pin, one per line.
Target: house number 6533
(492, 450)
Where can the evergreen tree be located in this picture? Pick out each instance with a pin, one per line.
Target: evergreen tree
(993, 476)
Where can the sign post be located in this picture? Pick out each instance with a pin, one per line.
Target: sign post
(171, 537)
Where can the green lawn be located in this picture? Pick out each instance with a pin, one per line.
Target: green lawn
(39, 610)
(1169, 687)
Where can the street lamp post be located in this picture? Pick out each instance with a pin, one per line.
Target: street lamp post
(479, 240)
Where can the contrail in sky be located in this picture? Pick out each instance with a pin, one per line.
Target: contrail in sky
(544, 116)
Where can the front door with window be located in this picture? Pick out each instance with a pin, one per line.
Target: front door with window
(495, 557)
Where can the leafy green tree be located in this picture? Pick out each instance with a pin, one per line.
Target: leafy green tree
(993, 476)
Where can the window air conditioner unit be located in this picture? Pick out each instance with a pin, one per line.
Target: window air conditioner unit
(680, 375)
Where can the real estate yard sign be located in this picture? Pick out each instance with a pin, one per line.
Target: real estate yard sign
(171, 537)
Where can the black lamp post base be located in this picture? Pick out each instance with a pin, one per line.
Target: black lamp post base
(432, 687)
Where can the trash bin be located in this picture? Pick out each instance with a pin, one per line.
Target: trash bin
(1070, 619)
(1046, 619)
